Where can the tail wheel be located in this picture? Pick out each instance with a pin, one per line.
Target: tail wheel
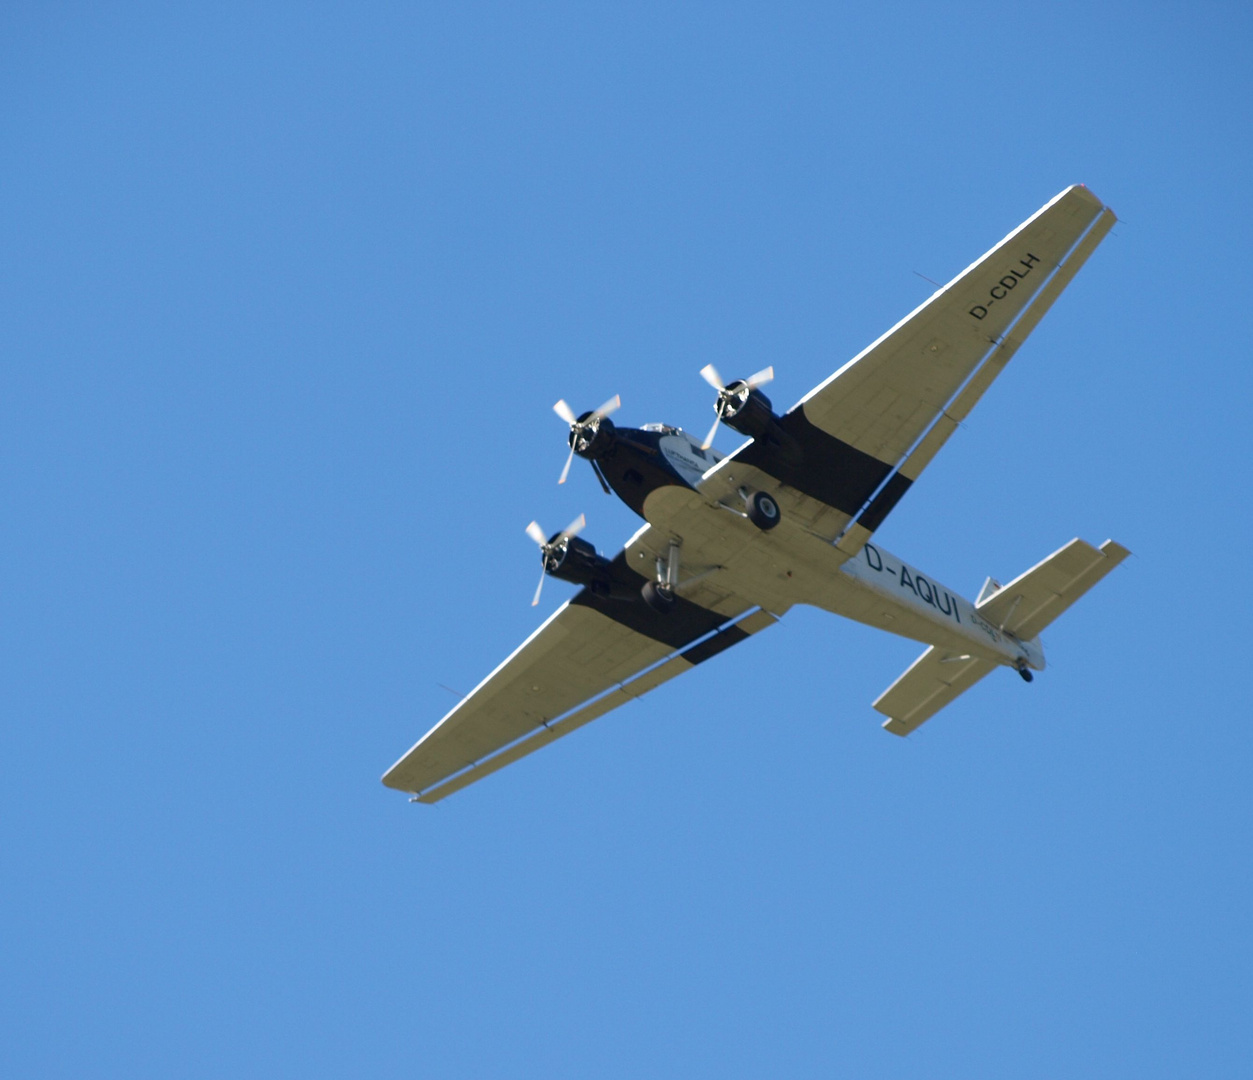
(658, 597)
(763, 511)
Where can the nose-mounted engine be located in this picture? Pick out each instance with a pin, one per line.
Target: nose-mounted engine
(591, 434)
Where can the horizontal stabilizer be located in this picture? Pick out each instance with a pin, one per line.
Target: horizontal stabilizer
(931, 682)
(1032, 600)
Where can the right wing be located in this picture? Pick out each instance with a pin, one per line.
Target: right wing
(590, 656)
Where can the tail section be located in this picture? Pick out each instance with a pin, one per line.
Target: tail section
(1032, 600)
(929, 683)
(1019, 611)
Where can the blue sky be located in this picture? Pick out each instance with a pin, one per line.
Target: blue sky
(288, 294)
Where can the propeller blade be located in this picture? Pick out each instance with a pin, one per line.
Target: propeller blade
(575, 527)
(709, 439)
(760, 379)
(536, 533)
(565, 412)
(612, 405)
(710, 374)
(566, 471)
(539, 588)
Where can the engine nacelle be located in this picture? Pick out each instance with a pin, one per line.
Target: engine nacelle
(574, 559)
(748, 411)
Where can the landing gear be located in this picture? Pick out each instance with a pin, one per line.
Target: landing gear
(1025, 671)
(658, 596)
(763, 511)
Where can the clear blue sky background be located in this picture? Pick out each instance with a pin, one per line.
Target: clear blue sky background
(288, 293)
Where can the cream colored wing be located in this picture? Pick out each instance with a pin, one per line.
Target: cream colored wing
(883, 400)
(592, 655)
(864, 435)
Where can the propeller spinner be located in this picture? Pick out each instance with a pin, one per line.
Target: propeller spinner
(549, 548)
(583, 429)
(737, 392)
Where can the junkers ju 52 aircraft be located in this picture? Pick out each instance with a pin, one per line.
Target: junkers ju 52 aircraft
(732, 542)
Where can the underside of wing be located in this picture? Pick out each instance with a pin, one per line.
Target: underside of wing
(857, 441)
(592, 655)
(886, 397)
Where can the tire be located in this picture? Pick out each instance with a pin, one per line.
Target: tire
(660, 599)
(763, 511)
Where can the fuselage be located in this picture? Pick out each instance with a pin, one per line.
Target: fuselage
(876, 587)
(640, 460)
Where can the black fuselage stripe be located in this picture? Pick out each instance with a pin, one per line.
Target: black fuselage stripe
(635, 467)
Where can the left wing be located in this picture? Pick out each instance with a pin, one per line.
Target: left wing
(883, 400)
(865, 434)
(589, 657)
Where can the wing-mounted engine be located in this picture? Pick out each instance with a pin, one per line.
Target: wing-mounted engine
(576, 560)
(742, 406)
(565, 555)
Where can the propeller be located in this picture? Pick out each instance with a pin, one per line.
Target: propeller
(577, 426)
(547, 547)
(727, 393)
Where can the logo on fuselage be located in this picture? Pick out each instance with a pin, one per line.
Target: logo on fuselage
(686, 458)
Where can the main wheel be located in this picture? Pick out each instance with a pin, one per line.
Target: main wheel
(658, 597)
(763, 511)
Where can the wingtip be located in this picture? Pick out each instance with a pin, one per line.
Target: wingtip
(896, 727)
(1112, 549)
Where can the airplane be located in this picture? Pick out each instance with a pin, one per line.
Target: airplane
(731, 542)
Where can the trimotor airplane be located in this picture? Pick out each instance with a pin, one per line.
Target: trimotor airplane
(732, 542)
